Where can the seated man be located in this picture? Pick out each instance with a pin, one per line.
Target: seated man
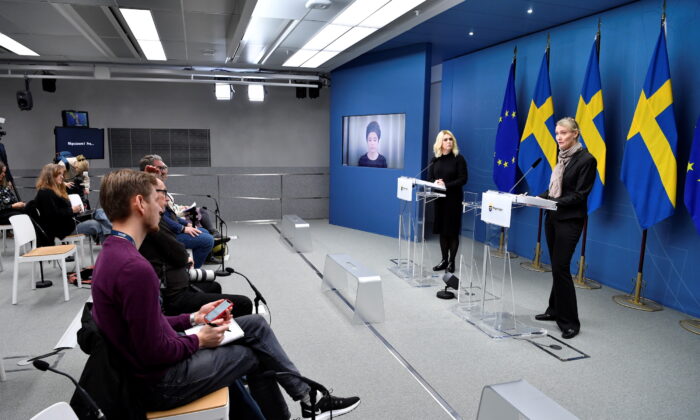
(199, 240)
(177, 369)
(155, 165)
(170, 260)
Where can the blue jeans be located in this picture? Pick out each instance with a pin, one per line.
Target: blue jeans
(210, 369)
(200, 245)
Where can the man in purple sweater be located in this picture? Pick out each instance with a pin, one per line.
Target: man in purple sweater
(178, 369)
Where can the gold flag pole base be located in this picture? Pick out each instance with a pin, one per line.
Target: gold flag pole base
(580, 280)
(692, 325)
(536, 264)
(501, 251)
(635, 301)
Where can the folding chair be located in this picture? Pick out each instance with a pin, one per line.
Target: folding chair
(25, 234)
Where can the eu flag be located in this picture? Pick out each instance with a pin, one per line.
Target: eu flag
(591, 121)
(649, 163)
(537, 140)
(507, 136)
(692, 179)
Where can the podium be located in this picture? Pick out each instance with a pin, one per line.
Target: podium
(491, 305)
(414, 194)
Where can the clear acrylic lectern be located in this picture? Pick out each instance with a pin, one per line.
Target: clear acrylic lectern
(414, 194)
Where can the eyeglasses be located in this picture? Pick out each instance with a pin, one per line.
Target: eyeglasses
(165, 192)
(162, 168)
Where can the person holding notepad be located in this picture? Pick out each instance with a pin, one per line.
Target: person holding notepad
(177, 369)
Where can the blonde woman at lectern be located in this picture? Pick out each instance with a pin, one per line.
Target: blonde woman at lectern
(571, 182)
(448, 168)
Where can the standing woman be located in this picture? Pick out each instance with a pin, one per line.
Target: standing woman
(448, 168)
(570, 184)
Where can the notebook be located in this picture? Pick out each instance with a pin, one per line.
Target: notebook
(234, 332)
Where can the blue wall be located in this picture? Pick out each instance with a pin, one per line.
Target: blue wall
(472, 92)
(390, 82)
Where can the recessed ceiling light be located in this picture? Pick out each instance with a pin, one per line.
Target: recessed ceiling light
(299, 57)
(320, 58)
(144, 29)
(390, 12)
(14, 46)
(358, 11)
(256, 93)
(223, 92)
(471, 33)
(529, 11)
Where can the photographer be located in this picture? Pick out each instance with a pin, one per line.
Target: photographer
(181, 290)
(3, 159)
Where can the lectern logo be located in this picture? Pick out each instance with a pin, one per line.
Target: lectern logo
(493, 208)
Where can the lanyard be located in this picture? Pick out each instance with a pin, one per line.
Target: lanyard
(123, 236)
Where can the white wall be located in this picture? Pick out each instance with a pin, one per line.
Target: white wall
(280, 132)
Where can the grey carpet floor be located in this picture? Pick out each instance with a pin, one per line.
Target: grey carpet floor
(641, 365)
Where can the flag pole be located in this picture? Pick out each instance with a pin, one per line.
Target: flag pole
(580, 279)
(501, 251)
(536, 264)
(636, 301)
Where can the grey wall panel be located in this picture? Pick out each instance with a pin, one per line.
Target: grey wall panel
(268, 186)
(281, 131)
(305, 186)
(238, 209)
(306, 208)
(193, 184)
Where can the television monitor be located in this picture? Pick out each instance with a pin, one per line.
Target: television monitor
(75, 118)
(89, 142)
(375, 141)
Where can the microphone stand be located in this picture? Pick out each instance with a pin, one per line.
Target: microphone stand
(222, 272)
(258, 296)
(44, 366)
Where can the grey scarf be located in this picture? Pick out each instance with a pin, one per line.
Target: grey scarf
(558, 172)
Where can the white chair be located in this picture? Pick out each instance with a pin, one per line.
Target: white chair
(214, 406)
(79, 239)
(4, 229)
(25, 234)
(3, 375)
(59, 411)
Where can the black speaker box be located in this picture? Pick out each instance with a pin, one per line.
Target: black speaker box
(313, 92)
(301, 92)
(24, 100)
(49, 85)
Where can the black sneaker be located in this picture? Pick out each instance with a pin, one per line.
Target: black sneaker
(325, 405)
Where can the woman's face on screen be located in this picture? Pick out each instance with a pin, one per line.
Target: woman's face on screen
(372, 142)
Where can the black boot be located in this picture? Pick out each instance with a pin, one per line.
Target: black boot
(441, 266)
(451, 267)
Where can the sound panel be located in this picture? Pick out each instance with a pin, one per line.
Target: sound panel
(177, 147)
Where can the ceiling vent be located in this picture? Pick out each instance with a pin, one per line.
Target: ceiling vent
(318, 4)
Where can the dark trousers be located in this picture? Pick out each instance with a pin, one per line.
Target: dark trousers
(562, 237)
(190, 300)
(208, 370)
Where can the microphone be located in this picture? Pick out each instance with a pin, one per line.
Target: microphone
(43, 366)
(258, 296)
(533, 166)
(424, 169)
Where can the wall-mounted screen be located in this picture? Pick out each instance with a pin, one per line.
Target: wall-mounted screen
(89, 142)
(375, 141)
(75, 118)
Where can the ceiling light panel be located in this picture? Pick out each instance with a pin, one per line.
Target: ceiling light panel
(14, 46)
(223, 92)
(325, 36)
(390, 12)
(320, 58)
(256, 93)
(350, 38)
(299, 58)
(358, 11)
(144, 30)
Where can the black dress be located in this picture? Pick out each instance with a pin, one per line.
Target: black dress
(448, 211)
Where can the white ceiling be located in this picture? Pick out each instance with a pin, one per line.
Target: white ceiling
(194, 33)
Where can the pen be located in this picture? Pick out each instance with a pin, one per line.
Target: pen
(211, 324)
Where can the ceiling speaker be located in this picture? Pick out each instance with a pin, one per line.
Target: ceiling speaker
(313, 92)
(301, 92)
(24, 100)
(49, 85)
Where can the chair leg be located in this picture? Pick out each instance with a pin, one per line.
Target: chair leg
(92, 256)
(78, 264)
(62, 263)
(14, 281)
(41, 268)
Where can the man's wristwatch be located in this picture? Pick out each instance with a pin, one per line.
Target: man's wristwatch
(192, 321)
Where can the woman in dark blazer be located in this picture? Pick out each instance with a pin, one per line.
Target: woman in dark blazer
(571, 182)
(448, 168)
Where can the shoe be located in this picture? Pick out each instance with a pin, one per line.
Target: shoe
(451, 267)
(441, 266)
(221, 240)
(330, 405)
(569, 333)
(545, 317)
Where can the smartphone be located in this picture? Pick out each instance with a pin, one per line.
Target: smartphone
(218, 311)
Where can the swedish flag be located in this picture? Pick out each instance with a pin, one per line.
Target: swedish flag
(591, 120)
(537, 140)
(692, 179)
(649, 163)
(507, 136)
